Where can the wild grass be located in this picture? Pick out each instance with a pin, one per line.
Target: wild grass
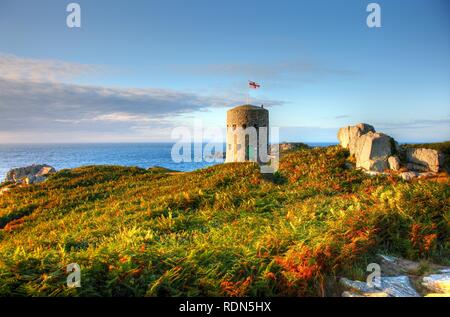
(220, 231)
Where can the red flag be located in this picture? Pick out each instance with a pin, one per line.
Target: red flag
(253, 85)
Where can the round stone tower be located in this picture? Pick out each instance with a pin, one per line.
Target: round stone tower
(244, 125)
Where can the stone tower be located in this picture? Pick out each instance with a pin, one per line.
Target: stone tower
(242, 145)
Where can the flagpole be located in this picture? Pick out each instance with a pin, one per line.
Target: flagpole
(251, 84)
(248, 95)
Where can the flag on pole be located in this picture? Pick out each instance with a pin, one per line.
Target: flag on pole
(253, 85)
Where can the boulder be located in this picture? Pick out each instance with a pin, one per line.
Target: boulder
(438, 283)
(373, 150)
(377, 165)
(30, 175)
(45, 171)
(421, 159)
(407, 176)
(394, 163)
(392, 286)
(392, 265)
(416, 167)
(395, 280)
(348, 136)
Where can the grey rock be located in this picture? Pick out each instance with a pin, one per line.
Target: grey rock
(394, 163)
(398, 286)
(407, 176)
(39, 179)
(30, 174)
(416, 167)
(421, 159)
(45, 171)
(29, 179)
(373, 150)
(391, 265)
(348, 136)
(438, 283)
(358, 286)
(393, 286)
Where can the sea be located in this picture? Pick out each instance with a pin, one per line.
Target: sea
(145, 155)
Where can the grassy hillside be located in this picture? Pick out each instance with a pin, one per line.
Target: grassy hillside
(222, 231)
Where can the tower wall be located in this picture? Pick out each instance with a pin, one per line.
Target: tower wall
(238, 143)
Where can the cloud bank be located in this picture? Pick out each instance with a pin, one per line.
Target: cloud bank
(37, 97)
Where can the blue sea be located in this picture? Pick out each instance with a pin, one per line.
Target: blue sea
(62, 156)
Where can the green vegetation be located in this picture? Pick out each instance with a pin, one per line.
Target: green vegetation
(160, 170)
(220, 231)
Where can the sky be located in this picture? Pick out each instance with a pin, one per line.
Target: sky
(136, 70)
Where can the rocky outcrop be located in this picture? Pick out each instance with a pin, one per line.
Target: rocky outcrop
(281, 149)
(373, 151)
(396, 280)
(287, 147)
(390, 286)
(420, 159)
(348, 136)
(370, 148)
(438, 283)
(376, 152)
(30, 175)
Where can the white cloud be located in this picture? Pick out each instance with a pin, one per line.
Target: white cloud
(35, 98)
(123, 117)
(17, 68)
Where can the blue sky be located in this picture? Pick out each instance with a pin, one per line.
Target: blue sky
(137, 69)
